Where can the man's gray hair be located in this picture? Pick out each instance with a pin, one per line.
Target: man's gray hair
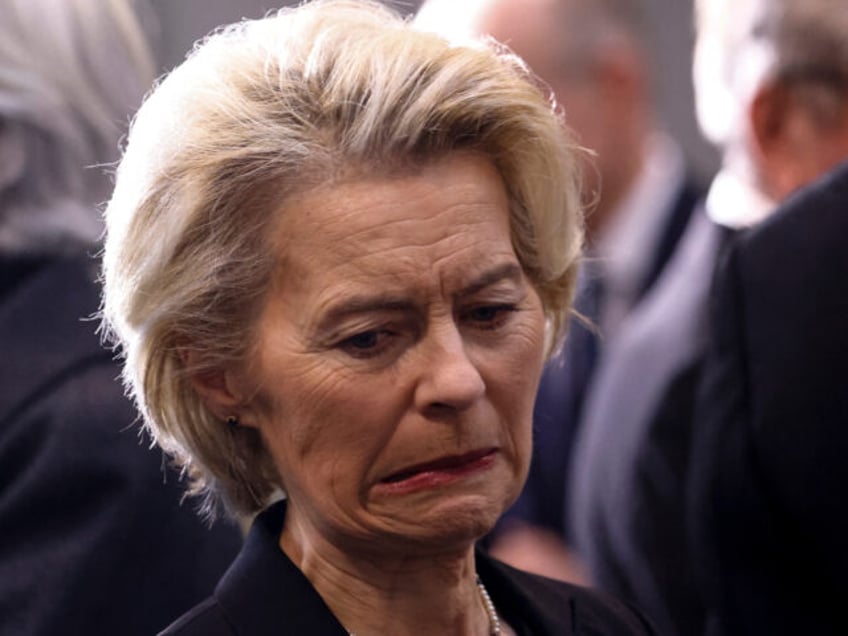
(742, 44)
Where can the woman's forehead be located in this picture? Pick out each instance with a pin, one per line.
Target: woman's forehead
(435, 201)
(433, 232)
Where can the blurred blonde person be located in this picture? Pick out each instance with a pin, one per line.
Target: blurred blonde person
(93, 540)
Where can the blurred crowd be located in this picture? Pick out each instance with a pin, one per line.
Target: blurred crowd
(689, 435)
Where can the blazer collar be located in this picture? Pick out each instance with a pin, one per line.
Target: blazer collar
(263, 587)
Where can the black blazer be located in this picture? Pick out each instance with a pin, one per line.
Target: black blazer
(265, 594)
(93, 539)
(768, 513)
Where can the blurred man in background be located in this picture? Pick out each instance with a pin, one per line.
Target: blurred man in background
(767, 515)
(769, 522)
(93, 539)
(771, 79)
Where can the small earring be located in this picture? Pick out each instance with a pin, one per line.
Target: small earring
(233, 421)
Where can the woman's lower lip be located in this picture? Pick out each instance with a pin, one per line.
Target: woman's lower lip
(433, 478)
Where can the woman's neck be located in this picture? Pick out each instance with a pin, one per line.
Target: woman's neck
(408, 594)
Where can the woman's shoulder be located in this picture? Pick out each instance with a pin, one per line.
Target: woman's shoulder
(204, 619)
(552, 607)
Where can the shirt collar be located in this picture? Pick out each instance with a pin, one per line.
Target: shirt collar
(734, 203)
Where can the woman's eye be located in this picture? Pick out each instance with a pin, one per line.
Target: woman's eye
(490, 316)
(365, 344)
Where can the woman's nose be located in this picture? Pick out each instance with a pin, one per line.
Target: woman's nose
(449, 378)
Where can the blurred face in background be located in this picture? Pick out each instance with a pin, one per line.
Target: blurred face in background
(603, 92)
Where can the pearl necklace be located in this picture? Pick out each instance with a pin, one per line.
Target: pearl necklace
(494, 620)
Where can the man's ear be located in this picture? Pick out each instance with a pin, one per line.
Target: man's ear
(769, 117)
(220, 389)
(772, 116)
(792, 143)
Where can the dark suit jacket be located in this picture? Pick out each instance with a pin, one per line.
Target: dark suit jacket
(93, 539)
(769, 519)
(265, 594)
(627, 489)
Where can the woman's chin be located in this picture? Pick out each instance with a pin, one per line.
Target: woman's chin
(446, 524)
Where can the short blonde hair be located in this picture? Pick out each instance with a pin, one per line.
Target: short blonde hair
(263, 109)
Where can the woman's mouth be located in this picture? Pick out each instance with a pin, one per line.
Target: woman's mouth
(439, 472)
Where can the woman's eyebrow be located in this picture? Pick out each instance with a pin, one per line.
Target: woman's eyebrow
(391, 302)
(510, 271)
(363, 303)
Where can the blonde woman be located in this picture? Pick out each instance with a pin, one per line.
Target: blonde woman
(339, 251)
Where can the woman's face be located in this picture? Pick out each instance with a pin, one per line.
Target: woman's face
(398, 358)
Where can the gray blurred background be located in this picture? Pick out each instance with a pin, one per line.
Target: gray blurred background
(181, 22)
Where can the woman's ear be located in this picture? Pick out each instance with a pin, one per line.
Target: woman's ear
(220, 389)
